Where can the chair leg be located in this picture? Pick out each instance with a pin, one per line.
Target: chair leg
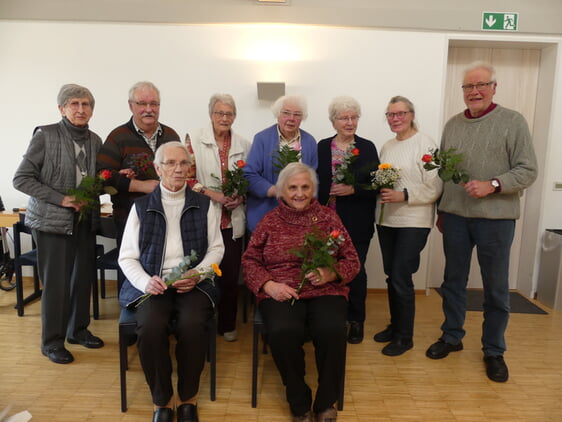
(95, 299)
(255, 352)
(102, 283)
(123, 366)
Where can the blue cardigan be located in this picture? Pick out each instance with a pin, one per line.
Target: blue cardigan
(262, 174)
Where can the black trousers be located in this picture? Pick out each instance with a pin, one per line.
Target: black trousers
(228, 283)
(401, 248)
(324, 319)
(190, 312)
(358, 286)
(67, 269)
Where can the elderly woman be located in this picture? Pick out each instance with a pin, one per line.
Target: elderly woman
(273, 271)
(344, 164)
(408, 218)
(263, 160)
(58, 157)
(163, 228)
(214, 150)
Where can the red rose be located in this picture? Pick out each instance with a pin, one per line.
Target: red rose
(335, 234)
(240, 164)
(105, 174)
(355, 151)
(427, 158)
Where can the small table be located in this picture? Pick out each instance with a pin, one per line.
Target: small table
(8, 219)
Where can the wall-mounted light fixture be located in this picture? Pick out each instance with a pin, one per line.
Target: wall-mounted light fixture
(270, 91)
(273, 1)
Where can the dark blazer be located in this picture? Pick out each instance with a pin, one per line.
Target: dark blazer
(356, 211)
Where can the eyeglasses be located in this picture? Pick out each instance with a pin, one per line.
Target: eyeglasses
(221, 114)
(481, 86)
(174, 164)
(348, 119)
(75, 105)
(288, 114)
(143, 104)
(399, 114)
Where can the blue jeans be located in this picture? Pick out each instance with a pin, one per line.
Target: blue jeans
(401, 248)
(493, 239)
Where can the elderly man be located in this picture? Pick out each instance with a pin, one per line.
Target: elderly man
(129, 149)
(499, 157)
(262, 165)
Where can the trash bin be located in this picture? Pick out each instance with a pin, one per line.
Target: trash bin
(549, 288)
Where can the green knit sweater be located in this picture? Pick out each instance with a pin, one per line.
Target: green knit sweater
(496, 145)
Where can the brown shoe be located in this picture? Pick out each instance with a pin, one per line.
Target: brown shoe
(307, 417)
(328, 415)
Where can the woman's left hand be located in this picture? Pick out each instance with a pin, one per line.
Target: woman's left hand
(340, 189)
(321, 276)
(233, 202)
(186, 284)
(391, 195)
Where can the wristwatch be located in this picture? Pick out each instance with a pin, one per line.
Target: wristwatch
(496, 185)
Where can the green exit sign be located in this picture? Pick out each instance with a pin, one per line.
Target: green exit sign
(495, 21)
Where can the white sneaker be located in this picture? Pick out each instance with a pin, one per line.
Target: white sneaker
(231, 336)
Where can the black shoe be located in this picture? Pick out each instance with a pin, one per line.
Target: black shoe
(397, 346)
(496, 369)
(355, 334)
(163, 414)
(441, 349)
(58, 354)
(187, 413)
(384, 336)
(86, 339)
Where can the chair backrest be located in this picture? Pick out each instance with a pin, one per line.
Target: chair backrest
(20, 228)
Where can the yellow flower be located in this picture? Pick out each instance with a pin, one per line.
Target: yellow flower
(384, 166)
(216, 269)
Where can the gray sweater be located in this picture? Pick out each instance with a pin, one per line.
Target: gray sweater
(496, 145)
(47, 172)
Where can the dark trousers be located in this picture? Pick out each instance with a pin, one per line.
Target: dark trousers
(358, 286)
(492, 239)
(67, 269)
(119, 229)
(401, 248)
(190, 312)
(228, 283)
(324, 319)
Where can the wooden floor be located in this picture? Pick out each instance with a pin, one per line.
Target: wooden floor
(410, 387)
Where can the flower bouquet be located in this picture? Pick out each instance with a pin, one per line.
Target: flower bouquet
(287, 154)
(448, 163)
(178, 272)
(342, 171)
(385, 177)
(317, 251)
(88, 191)
(142, 164)
(235, 184)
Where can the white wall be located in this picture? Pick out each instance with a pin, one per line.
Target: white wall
(189, 63)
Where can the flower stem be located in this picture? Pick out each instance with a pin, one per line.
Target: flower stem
(382, 214)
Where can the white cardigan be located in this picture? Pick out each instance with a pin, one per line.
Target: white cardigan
(207, 162)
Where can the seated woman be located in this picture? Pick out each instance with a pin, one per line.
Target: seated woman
(272, 272)
(163, 228)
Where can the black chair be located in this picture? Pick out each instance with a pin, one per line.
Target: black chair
(260, 331)
(127, 327)
(21, 260)
(106, 261)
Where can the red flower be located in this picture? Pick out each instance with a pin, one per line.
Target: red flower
(335, 233)
(105, 174)
(355, 151)
(427, 158)
(240, 164)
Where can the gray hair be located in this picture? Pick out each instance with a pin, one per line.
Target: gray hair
(409, 106)
(291, 170)
(141, 85)
(70, 91)
(159, 155)
(480, 64)
(343, 104)
(299, 100)
(222, 98)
